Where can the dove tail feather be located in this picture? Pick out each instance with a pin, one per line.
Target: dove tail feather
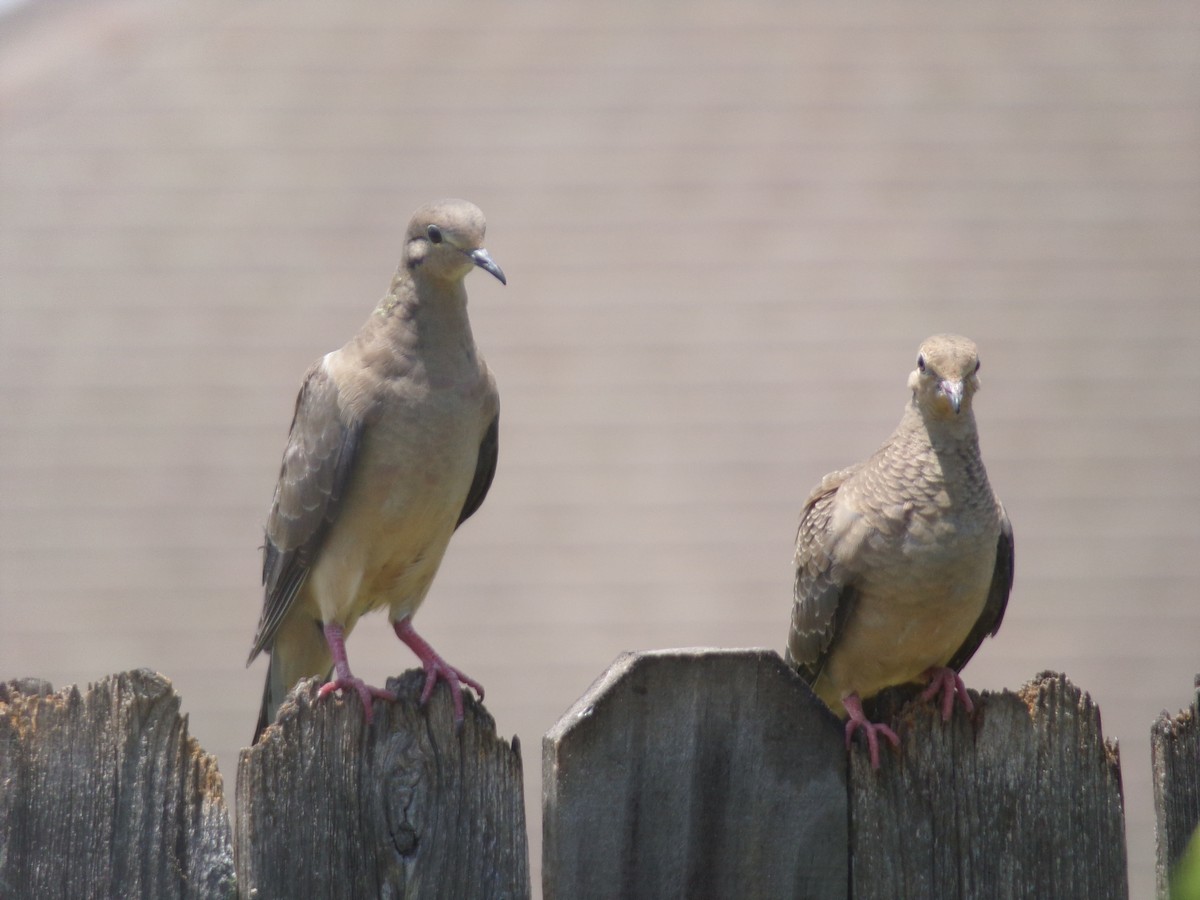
(272, 698)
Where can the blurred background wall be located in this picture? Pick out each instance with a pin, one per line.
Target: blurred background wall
(726, 225)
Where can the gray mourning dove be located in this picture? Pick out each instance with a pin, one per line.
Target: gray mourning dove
(393, 446)
(904, 562)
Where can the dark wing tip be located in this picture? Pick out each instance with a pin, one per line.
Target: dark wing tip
(997, 600)
(485, 471)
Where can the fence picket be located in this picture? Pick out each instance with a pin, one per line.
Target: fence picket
(702, 773)
(1175, 757)
(1021, 799)
(407, 807)
(104, 794)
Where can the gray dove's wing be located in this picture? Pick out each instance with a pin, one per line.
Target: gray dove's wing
(997, 599)
(485, 471)
(317, 465)
(821, 601)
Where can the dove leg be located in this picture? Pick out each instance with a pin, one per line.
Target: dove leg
(947, 682)
(343, 679)
(436, 667)
(872, 730)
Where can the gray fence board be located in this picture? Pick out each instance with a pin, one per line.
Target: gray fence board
(104, 794)
(1175, 757)
(705, 773)
(1023, 799)
(408, 807)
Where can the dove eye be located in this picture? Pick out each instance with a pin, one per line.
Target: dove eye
(435, 234)
(921, 363)
(976, 365)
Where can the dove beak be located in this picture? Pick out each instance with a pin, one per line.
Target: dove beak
(480, 258)
(954, 393)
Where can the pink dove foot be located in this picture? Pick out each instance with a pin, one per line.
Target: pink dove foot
(435, 668)
(858, 720)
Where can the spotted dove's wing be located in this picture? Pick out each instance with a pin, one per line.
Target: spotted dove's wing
(317, 466)
(822, 599)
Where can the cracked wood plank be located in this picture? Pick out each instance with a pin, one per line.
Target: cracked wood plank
(103, 793)
(407, 807)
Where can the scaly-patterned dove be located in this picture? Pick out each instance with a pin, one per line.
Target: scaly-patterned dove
(904, 562)
(393, 446)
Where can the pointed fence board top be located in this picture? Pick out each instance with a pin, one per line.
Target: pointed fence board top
(695, 773)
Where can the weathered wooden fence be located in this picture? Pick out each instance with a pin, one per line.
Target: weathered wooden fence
(693, 773)
(720, 769)
(103, 794)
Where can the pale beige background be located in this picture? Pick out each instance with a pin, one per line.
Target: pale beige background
(726, 225)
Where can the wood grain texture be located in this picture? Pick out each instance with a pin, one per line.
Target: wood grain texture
(695, 773)
(1175, 757)
(407, 807)
(104, 794)
(1021, 800)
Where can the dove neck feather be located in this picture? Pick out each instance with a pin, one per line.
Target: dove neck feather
(929, 453)
(422, 319)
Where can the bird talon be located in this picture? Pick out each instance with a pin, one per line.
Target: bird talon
(871, 729)
(438, 668)
(947, 682)
(343, 680)
(431, 677)
(367, 694)
(435, 668)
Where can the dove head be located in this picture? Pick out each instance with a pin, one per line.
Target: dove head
(445, 242)
(946, 376)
